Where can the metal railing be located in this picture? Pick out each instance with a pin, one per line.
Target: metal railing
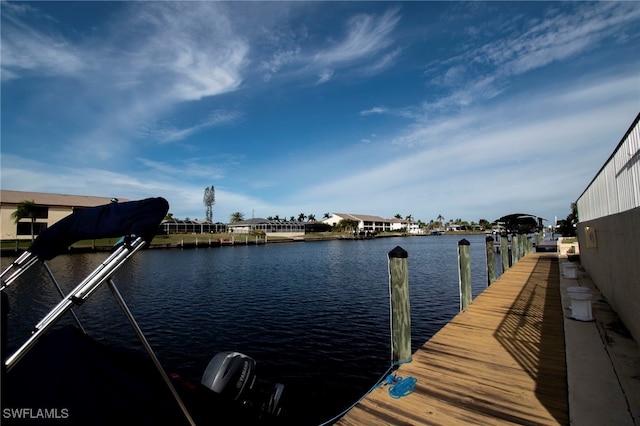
(616, 187)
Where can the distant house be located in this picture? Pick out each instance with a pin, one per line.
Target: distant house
(50, 208)
(175, 226)
(365, 222)
(288, 229)
(457, 228)
(374, 223)
(408, 225)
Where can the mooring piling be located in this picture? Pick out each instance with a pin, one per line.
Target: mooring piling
(400, 311)
(504, 253)
(491, 262)
(464, 268)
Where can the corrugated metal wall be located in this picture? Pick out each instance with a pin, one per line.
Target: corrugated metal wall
(616, 187)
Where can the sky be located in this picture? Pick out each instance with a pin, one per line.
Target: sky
(464, 110)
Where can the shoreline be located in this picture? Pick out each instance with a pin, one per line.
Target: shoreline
(194, 243)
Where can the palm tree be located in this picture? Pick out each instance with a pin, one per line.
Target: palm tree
(311, 217)
(302, 217)
(26, 209)
(209, 200)
(347, 225)
(236, 217)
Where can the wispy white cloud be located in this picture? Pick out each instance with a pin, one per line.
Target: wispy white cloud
(184, 169)
(190, 53)
(193, 52)
(325, 75)
(277, 61)
(366, 35)
(167, 133)
(374, 110)
(482, 72)
(26, 49)
(385, 61)
(410, 112)
(156, 57)
(367, 46)
(283, 47)
(585, 95)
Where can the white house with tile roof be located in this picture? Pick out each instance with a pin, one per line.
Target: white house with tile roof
(375, 223)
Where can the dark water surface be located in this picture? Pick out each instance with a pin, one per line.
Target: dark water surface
(315, 315)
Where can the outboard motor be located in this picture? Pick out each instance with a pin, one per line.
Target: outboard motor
(232, 374)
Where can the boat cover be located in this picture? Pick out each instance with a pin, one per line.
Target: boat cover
(71, 379)
(521, 223)
(141, 218)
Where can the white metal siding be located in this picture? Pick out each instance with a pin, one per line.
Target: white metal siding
(616, 188)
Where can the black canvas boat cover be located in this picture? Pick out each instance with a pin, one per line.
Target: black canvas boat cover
(140, 218)
(521, 223)
(71, 379)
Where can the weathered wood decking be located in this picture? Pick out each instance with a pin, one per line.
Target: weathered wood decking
(500, 362)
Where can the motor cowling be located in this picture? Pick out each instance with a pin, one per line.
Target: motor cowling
(232, 374)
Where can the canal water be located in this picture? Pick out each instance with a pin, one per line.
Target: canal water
(314, 315)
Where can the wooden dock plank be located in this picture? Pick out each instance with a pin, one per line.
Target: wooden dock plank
(500, 362)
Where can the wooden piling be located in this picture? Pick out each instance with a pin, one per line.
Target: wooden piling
(400, 311)
(514, 249)
(464, 268)
(504, 252)
(491, 261)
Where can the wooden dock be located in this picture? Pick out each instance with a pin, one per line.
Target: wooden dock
(500, 362)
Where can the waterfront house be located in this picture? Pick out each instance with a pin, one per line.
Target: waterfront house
(374, 223)
(283, 228)
(407, 225)
(364, 222)
(175, 226)
(49, 209)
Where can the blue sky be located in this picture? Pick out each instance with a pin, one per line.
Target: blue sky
(468, 110)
